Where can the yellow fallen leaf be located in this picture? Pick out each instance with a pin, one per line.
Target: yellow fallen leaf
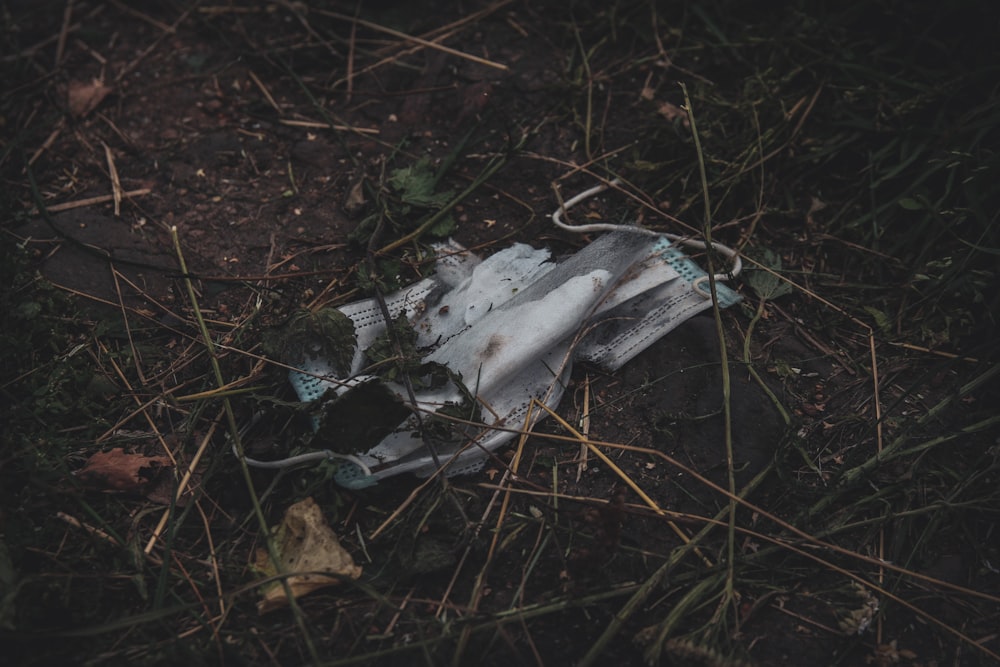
(307, 548)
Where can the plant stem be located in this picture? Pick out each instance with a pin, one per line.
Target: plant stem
(234, 434)
(723, 352)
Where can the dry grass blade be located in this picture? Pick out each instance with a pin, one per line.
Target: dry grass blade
(584, 429)
(479, 585)
(94, 201)
(327, 126)
(116, 185)
(264, 91)
(185, 480)
(586, 442)
(64, 32)
(415, 40)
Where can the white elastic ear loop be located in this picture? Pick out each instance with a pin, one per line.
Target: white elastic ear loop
(736, 264)
(309, 457)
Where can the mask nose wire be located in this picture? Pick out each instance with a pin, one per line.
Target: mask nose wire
(735, 263)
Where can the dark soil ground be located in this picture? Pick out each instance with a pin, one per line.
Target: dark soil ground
(853, 153)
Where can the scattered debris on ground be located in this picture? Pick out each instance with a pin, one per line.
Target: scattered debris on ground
(807, 476)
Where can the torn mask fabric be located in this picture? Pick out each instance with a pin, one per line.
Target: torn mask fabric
(508, 329)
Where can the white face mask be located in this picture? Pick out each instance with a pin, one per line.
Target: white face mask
(510, 327)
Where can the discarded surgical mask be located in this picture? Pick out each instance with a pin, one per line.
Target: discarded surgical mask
(506, 331)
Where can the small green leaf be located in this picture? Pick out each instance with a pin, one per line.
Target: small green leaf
(384, 354)
(783, 369)
(364, 229)
(386, 277)
(29, 310)
(911, 204)
(416, 183)
(646, 165)
(766, 284)
(443, 227)
(882, 320)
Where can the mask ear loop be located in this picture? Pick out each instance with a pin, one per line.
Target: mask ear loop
(735, 263)
(309, 457)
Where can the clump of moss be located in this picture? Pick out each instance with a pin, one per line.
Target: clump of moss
(326, 334)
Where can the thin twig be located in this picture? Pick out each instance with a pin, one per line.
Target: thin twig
(91, 201)
(96, 532)
(584, 428)
(327, 126)
(479, 585)
(491, 168)
(116, 184)
(166, 30)
(585, 442)
(63, 32)
(410, 38)
(53, 135)
(185, 480)
(352, 44)
(159, 25)
(264, 90)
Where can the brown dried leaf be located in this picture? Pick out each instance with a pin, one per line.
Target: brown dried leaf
(672, 112)
(813, 409)
(355, 202)
(120, 471)
(305, 544)
(84, 97)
